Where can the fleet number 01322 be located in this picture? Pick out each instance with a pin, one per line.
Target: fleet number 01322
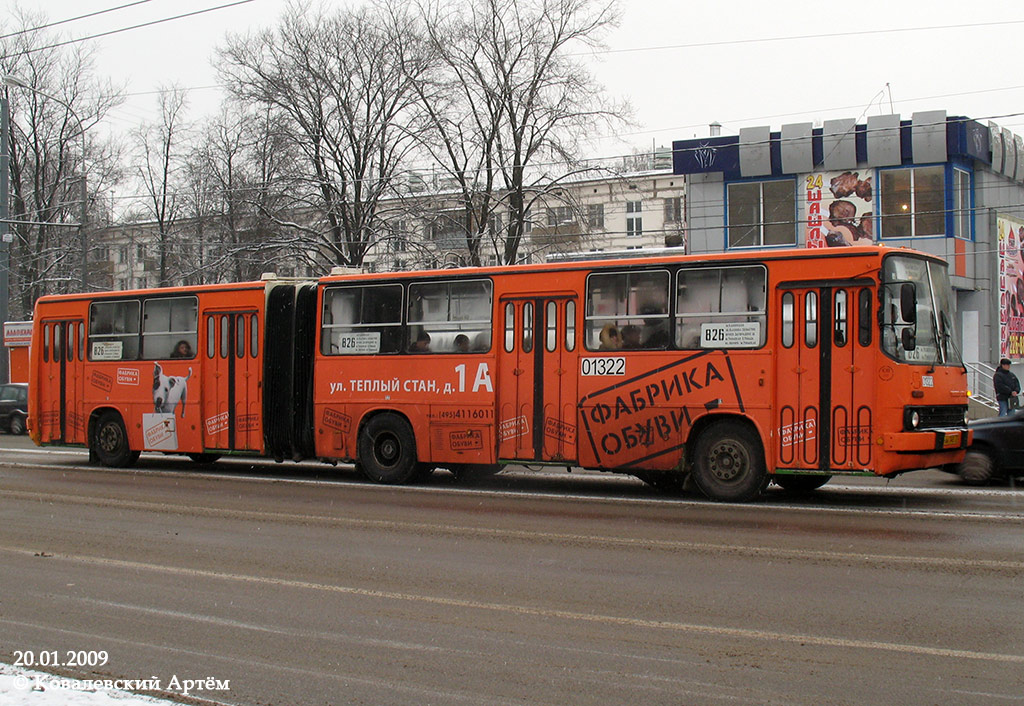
(602, 366)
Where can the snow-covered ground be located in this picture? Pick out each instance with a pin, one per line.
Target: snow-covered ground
(22, 687)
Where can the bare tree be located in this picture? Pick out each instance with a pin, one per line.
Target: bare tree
(236, 180)
(161, 148)
(58, 101)
(345, 83)
(519, 103)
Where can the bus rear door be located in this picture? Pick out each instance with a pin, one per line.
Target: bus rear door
(62, 382)
(537, 388)
(232, 403)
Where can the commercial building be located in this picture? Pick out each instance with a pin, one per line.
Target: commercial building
(950, 186)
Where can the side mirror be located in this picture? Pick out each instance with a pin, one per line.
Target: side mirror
(909, 337)
(908, 303)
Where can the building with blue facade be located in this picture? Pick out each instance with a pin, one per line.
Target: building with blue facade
(950, 186)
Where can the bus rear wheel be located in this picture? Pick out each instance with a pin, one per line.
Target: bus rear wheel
(110, 442)
(387, 450)
(728, 463)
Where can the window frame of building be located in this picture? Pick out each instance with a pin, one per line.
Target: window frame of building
(595, 215)
(962, 210)
(769, 223)
(634, 218)
(560, 215)
(912, 216)
(674, 209)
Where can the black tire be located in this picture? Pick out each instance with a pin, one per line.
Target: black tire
(387, 450)
(800, 484)
(17, 424)
(977, 468)
(728, 463)
(110, 442)
(204, 457)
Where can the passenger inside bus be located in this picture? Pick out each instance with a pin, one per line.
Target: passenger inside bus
(422, 343)
(462, 343)
(609, 338)
(631, 337)
(182, 349)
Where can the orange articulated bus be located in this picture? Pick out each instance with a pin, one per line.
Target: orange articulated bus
(736, 369)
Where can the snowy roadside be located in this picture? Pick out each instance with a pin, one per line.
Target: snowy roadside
(23, 687)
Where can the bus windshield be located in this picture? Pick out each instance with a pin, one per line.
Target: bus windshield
(917, 312)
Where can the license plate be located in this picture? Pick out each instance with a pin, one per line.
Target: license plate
(951, 440)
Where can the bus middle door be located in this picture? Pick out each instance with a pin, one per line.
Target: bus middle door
(232, 385)
(537, 383)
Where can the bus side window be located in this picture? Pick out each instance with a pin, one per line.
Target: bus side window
(169, 327)
(114, 330)
(864, 305)
(456, 315)
(733, 297)
(211, 336)
(46, 343)
(631, 305)
(363, 319)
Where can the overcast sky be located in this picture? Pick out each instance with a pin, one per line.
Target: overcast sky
(681, 63)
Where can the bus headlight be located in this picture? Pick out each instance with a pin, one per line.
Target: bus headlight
(915, 420)
(967, 417)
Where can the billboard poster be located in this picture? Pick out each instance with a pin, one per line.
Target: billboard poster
(1011, 288)
(837, 209)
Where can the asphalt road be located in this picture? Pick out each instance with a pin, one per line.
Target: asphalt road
(302, 584)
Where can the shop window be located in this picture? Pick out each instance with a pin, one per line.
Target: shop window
(761, 213)
(912, 202)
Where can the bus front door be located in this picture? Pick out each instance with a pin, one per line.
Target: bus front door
(537, 387)
(800, 384)
(62, 404)
(823, 383)
(231, 380)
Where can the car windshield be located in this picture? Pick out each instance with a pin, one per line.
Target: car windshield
(917, 312)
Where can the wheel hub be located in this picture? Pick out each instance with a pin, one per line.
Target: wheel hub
(728, 462)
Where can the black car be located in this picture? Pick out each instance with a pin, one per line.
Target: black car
(997, 451)
(14, 407)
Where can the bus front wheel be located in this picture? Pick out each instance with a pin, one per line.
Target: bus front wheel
(387, 450)
(728, 463)
(110, 442)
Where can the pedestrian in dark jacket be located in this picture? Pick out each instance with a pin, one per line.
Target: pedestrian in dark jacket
(1007, 388)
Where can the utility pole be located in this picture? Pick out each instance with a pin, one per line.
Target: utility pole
(5, 236)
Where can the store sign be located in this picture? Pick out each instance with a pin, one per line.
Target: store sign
(838, 210)
(17, 333)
